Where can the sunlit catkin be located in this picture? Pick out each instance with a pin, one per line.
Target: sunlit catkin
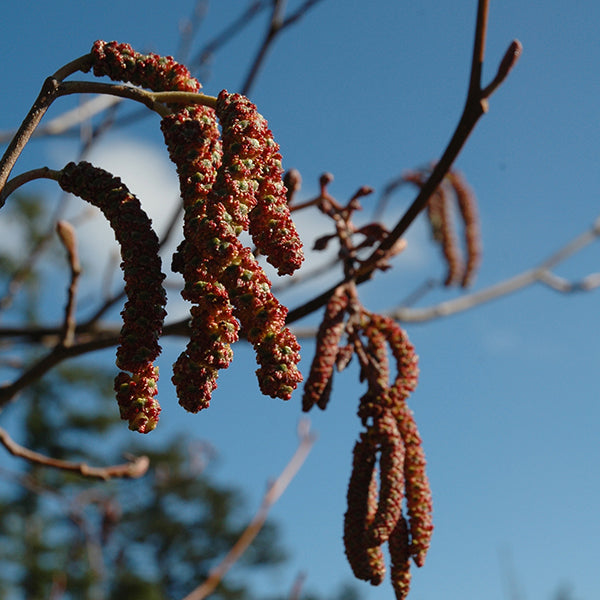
(144, 311)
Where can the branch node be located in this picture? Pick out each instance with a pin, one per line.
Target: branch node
(509, 60)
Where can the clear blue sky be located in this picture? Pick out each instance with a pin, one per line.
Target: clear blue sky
(508, 398)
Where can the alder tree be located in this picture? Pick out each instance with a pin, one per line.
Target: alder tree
(231, 183)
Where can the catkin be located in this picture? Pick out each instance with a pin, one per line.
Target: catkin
(144, 312)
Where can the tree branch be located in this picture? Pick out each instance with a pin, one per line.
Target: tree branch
(95, 336)
(70, 118)
(99, 341)
(67, 236)
(277, 24)
(136, 468)
(540, 274)
(475, 107)
(34, 116)
(275, 490)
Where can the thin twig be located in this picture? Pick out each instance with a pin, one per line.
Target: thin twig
(67, 236)
(135, 468)
(16, 182)
(476, 105)
(45, 98)
(37, 111)
(189, 27)
(69, 119)
(230, 31)
(155, 101)
(275, 490)
(540, 274)
(277, 25)
(297, 586)
(57, 355)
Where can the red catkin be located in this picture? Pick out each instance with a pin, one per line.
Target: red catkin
(121, 62)
(398, 546)
(407, 366)
(212, 256)
(467, 206)
(446, 234)
(377, 370)
(192, 138)
(278, 355)
(418, 492)
(262, 318)
(254, 182)
(366, 561)
(317, 388)
(144, 312)
(136, 398)
(439, 212)
(391, 475)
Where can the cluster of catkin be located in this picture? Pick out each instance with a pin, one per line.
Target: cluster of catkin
(230, 178)
(230, 182)
(229, 186)
(453, 191)
(388, 469)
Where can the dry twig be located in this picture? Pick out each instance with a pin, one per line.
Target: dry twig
(275, 490)
(476, 105)
(134, 469)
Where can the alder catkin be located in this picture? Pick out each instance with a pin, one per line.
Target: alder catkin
(212, 256)
(255, 185)
(398, 545)
(144, 312)
(158, 73)
(407, 361)
(366, 560)
(467, 205)
(391, 475)
(377, 370)
(418, 492)
(448, 239)
(192, 138)
(440, 215)
(317, 387)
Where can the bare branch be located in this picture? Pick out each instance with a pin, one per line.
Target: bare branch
(70, 118)
(475, 107)
(275, 490)
(155, 101)
(233, 29)
(297, 587)
(96, 336)
(23, 178)
(136, 468)
(189, 27)
(45, 98)
(540, 274)
(99, 340)
(67, 236)
(277, 24)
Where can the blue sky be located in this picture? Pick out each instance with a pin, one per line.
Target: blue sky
(508, 398)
